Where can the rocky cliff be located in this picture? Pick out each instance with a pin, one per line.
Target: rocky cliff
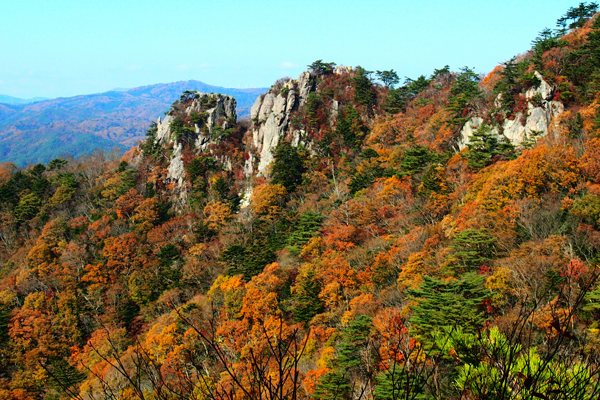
(271, 118)
(199, 123)
(541, 110)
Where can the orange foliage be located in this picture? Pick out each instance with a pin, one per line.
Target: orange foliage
(537, 171)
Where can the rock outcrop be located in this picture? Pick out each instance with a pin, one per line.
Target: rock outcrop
(271, 119)
(216, 113)
(541, 109)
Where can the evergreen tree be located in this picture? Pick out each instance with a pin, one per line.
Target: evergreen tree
(415, 159)
(576, 17)
(484, 145)
(287, 168)
(471, 250)
(321, 68)
(364, 92)
(307, 226)
(464, 91)
(306, 301)
(389, 78)
(351, 361)
(448, 304)
(350, 127)
(399, 383)
(332, 386)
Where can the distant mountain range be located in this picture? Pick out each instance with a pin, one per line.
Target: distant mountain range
(40, 131)
(15, 100)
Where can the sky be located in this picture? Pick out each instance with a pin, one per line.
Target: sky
(61, 48)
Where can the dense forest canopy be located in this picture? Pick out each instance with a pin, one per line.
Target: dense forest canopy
(375, 258)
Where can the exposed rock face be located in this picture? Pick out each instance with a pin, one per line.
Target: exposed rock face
(271, 119)
(218, 111)
(541, 109)
(342, 69)
(223, 114)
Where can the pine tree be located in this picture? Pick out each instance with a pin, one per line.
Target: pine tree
(471, 250)
(448, 304)
(484, 145)
(287, 167)
(306, 299)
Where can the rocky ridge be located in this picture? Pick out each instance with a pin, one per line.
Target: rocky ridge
(217, 113)
(271, 119)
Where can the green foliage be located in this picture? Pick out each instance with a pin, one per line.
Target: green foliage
(471, 250)
(308, 226)
(368, 154)
(524, 370)
(588, 208)
(484, 145)
(64, 374)
(250, 260)
(4, 321)
(28, 207)
(198, 118)
(545, 41)
(199, 166)
(366, 176)
(464, 91)
(576, 17)
(592, 300)
(66, 179)
(389, 78)
(400, 383)
(352, 360)
(352, 344)
(128, 179)
(364, 92)
(150, 146)
(313, 105)
(180, 131)
(350, 127)
(287, 167)
(332, 386)
(444, 304)
(417, 86)
(583, 65)
(415, 159)
(56, 164)
(187, 95)
(19, 181)
(122, 166)
(305, 300)
(438, 73)
(514, 82)
(396, 99)
(321, 68)
(168, 254)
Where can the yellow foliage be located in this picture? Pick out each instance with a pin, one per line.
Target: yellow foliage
(217, 214)
(62, 195)
(312, 248)
(198, 249)
(267, 200)
(327, 356)
(161, 339)
(498, 283)
(412, 271)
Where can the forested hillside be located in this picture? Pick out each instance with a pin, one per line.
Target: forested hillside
(359, 238)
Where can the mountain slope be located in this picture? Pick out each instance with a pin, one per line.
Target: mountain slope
(103, 120)
(353, 240)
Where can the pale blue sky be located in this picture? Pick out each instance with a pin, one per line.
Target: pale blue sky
(56, 48)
